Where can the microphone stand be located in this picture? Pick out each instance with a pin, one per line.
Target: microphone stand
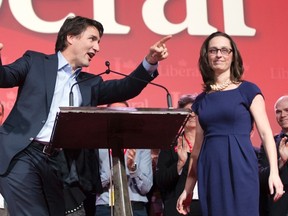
(181, 129)
(169, 98)
(71, 96)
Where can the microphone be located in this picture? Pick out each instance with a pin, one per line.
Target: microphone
(71, 95)
(169, 98)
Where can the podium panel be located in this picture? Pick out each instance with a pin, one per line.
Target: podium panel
(118, 128)
(91, 127)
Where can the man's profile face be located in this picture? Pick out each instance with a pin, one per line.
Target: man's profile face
(83, 47)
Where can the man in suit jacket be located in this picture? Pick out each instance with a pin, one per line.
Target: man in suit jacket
(267, 206)
(28, 182)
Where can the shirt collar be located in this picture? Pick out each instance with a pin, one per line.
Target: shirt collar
(64, 65)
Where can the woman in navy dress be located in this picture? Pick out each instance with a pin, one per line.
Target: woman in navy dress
(223, 159)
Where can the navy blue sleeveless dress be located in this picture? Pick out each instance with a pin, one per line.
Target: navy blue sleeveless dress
(227, 165)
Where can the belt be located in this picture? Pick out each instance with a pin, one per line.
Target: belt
(138, 205)
(44, 147)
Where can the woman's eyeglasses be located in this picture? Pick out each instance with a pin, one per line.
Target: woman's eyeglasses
(224, 51)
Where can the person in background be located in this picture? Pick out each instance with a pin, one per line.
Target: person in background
(139, 177)
(172, 166)
(267, 205)
(223, 159)
(44, 83)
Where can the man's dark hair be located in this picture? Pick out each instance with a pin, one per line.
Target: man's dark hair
(75, 26)
(186, 99)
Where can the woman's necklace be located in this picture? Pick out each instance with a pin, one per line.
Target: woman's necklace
(222, 86)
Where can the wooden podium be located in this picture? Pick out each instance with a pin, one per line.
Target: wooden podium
(118, 128)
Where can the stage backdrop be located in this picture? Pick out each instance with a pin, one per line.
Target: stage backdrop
(131, 27)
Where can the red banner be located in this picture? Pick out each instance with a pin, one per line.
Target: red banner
(131, 27)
